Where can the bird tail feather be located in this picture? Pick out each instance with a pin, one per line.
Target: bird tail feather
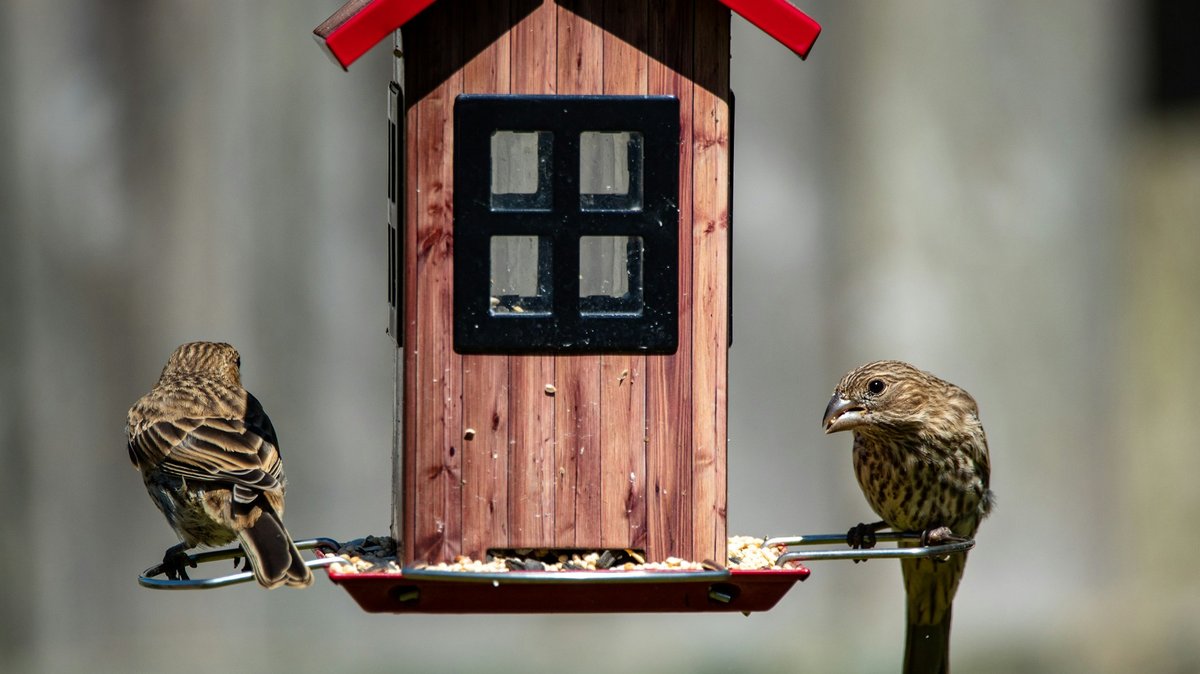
(273, 556)
(927, 647)
(930, 586)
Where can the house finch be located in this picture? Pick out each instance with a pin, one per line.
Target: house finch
(921, 458)
(210, 460)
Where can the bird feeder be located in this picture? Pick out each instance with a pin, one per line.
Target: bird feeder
(559, 197)
(559, 191)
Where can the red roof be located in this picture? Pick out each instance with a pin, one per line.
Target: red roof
(361, 24)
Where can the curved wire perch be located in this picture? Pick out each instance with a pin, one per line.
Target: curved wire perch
(147, 579)
(860, 554)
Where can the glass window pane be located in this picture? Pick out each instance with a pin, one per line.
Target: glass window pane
(610, 171)
(520, 275)
(521, 164)
(610, 274)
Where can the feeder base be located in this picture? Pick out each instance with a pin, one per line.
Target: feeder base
(425, 591)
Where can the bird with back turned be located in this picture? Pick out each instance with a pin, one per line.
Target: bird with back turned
(210, 460)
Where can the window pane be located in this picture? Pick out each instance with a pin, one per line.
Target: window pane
(521, 170)
(610, 274)
(610, 171)
(520, 275)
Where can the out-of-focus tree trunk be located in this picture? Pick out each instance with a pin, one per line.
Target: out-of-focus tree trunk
(15, 451)
(1160, 448)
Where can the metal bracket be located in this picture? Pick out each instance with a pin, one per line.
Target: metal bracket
(147, 578)
(941, 550)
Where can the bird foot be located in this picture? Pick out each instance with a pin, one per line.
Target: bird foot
(862, 536)
(939, 536)
(175, 562)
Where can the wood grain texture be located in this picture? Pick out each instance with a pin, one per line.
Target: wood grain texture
(534, 58)
(622, 380)
(623, 452)
(577, 451)
(485, 417)
(485, 454)
(710, 258)
(437, 459)
(531, 453)
(626, 41)
(669, 504)
(487, 44)
(580, 47)
(629, 450)
(531, 443)
(577, 403)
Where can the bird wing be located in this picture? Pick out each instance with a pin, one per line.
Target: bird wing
(985, 462)
(238, 451)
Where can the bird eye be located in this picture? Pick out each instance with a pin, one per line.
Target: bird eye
(876, 386)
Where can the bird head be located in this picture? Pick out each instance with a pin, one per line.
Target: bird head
(214, 360)
(890, 395)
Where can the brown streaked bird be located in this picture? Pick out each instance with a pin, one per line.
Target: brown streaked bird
(921, 458)
(210, 459)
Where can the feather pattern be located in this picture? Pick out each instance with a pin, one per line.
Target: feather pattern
(921, 457)
(210, 459)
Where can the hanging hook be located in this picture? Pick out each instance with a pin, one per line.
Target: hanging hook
(939, 550)
(147, 578)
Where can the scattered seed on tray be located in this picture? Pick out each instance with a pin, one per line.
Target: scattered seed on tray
(378, 555)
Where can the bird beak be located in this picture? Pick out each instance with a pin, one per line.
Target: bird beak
(843, 415)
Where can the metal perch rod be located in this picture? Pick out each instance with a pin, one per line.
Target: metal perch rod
(939, 550)
(147, 578)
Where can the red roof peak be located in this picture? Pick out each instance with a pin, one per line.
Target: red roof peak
(361, 24)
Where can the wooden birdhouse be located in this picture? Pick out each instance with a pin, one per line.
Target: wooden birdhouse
(559, 241)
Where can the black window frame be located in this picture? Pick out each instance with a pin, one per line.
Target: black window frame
(572, 325)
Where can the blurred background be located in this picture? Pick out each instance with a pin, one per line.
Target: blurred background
(1006, 194)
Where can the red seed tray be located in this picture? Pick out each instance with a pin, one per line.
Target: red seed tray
(427, 591)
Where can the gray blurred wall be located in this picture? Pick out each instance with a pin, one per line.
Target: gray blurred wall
(971, 186)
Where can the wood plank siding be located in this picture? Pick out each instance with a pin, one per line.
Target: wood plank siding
(624, 451)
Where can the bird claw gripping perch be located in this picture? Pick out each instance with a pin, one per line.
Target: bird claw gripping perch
(863, 536)
(174, 564)
(930, 544)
